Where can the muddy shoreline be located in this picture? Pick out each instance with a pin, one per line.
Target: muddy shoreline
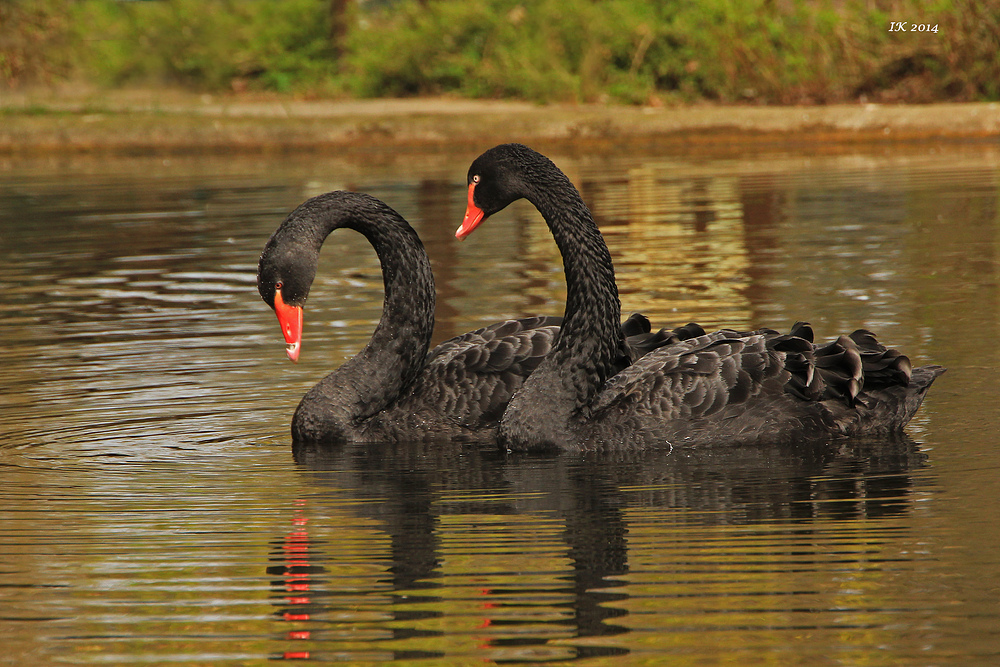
(140, 122)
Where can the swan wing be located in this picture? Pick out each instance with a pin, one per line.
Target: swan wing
(760, 381)
(472, 377)
(692, 378)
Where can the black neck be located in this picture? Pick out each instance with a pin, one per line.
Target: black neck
(590, 342)
(392, 360)
(394, 357)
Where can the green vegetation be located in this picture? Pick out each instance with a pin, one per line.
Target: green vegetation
(760, 51)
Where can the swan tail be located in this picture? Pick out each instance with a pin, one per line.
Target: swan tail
(868, 388)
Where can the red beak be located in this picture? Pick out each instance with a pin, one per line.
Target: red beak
(290, 319)
(473, 216)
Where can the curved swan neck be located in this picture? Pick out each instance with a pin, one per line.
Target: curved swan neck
(393, 358)
(396, 352)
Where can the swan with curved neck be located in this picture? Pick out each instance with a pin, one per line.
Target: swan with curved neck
(394, 388)
(728, 387)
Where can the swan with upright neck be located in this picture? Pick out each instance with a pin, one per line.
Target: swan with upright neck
(725, 388)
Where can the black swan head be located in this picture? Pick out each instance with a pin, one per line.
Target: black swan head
(285, 273)
(500, 176)
(288, 262)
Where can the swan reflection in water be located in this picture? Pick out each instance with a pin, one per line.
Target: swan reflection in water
(496, 556)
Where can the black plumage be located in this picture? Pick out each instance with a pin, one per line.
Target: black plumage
(724, 388)
(395, 388)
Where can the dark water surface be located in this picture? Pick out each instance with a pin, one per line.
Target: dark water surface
(152, 510)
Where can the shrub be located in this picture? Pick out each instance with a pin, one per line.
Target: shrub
(34, 41)
(547, 50)
(761, 51)
(208, 44)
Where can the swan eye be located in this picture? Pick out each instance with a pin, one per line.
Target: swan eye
(475, 178)
(278, 285)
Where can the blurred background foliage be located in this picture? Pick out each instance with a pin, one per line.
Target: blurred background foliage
(667, 51)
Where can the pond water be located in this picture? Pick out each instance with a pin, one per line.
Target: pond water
(152, 510)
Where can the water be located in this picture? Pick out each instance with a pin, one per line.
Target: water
(152, 510)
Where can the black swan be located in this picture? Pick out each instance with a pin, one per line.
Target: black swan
(728, 387)
(394, 389)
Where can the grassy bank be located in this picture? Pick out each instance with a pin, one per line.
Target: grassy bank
(726, 51)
